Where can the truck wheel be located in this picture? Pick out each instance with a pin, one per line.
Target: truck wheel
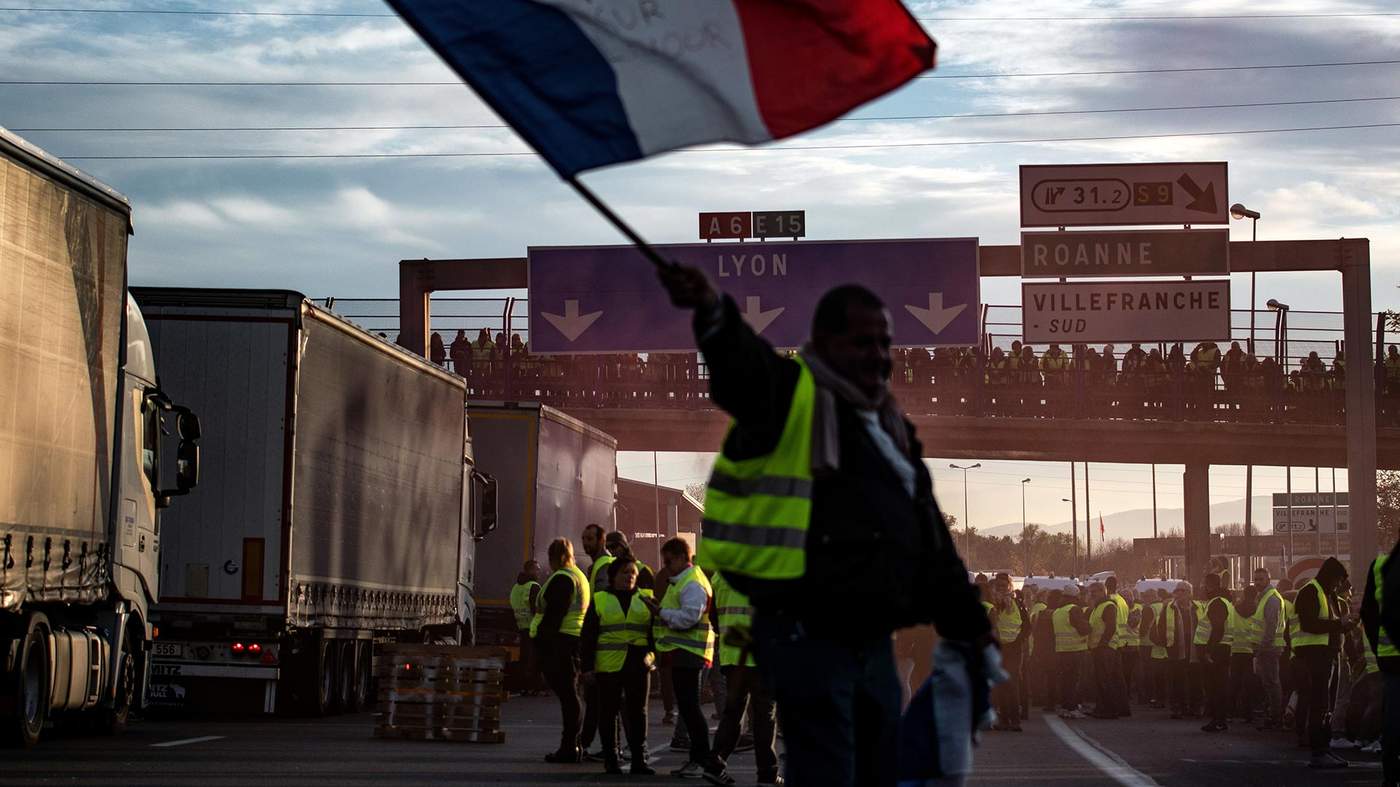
(31, 685)
(345, 677)
(112, 721)
(360, 697)
(324, 675)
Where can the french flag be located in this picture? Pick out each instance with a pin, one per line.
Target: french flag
(589, 83)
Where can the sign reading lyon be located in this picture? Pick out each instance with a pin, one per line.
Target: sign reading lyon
(1125, 253)
(1134, 311)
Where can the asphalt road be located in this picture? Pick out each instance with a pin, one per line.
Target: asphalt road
(1145, 750)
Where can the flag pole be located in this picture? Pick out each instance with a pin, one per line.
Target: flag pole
(645, 248)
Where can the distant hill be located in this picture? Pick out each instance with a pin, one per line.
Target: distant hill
(1137, 523)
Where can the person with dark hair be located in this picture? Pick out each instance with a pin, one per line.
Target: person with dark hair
(1384, 617)
(1213, 639)
(1110, 698)
(617, 546)
(616, 655)
(556, 628)
(524, 599)
(1271, 618)
(592, 540)
(437, 353)
(1315, 648)
(819, 479)
(685, 638)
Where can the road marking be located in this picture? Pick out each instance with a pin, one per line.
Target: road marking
(1115, 767)
(186, 741)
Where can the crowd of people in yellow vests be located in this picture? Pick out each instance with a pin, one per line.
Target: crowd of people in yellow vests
(1268, 654)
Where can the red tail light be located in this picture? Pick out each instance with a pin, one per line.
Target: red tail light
(237, 647)
(255, 648)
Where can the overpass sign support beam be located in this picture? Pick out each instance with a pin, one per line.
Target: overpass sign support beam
(1197, 505)
(1355, 264)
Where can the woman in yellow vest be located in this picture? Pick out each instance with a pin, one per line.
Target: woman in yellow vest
(556, 627)
(524, 595)
(617, 654)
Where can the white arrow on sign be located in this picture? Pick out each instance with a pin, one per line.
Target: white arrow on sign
(756, 317)
(935, 317)
(571, 323)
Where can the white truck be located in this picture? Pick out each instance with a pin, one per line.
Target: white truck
(82, 419)
(340, 504)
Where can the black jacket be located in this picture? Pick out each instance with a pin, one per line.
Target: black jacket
(877, 560)
(1372, 617)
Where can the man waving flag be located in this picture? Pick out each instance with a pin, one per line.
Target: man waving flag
(588, 83)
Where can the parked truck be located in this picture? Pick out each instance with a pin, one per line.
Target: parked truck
(83, 476)
(340, 504)
(555, 474)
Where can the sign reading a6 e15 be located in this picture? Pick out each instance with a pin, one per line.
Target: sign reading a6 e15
(758, 224)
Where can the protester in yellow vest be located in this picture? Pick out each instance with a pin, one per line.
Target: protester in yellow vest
(1315, 648)
(1379, 620)
(1110, 693)
(744, 689)
(1127, 636)
(824, 426)
(523, 598)
(1271, 619)
(1011, 623)
(685, 638)
(617, 656)
(1183, 676)
(556, 627)
(1245, 632)
(593, 546)
(1071, 627)
(1155, 656)
(1213, 639)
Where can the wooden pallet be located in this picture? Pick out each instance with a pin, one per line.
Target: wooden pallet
(440, 693)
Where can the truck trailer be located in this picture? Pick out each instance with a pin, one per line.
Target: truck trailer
(340, 506)
(555, 474)
(81, 424)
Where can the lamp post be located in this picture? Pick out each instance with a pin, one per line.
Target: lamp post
(1025, 542)
(967, 523)
(1074, 538)
(1238, 211)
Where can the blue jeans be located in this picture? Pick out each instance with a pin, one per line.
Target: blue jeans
(839, 703)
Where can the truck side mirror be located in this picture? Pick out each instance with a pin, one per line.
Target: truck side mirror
(486, 511)
(186, 455)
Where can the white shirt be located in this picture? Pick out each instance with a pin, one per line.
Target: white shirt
(694, 600)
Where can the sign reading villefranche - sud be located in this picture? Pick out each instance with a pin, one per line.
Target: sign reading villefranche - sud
(1127, 311)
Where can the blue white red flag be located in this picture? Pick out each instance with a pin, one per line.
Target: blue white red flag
(589, 83)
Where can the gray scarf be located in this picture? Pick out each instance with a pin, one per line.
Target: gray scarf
(826, 441)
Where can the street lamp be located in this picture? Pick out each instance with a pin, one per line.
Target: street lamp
(1074, 529)
(967, 524)
(1025, 541)
(1238, 212)
(1280, 332)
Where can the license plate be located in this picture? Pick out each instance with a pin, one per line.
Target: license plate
(169, 650)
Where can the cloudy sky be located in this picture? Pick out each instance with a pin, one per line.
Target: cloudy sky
(337, 226)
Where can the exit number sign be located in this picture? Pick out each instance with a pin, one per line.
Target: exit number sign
(756, 224)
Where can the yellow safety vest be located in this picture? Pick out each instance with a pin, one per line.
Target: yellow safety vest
(1276, 636)
(572, 622)
(1096, 625)
(757, 510)
(1290, 611)
(1245, 631)
(1324, 612)
(700, 638)
(1372, 665)
(1132, 637)
(1385, 645)
(617, 630)
(1159, 609)
(1008, 622)
(1203, 625)
(597, 573)
(734, 613)
(520, 604)
(1067, 637)
(1125, 627)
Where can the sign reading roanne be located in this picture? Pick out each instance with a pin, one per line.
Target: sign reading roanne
(606, 299)
(1309, 519)
(1311, 499)
(1086, 195)
(1131, 311)
(714, 226)
(1125, 253)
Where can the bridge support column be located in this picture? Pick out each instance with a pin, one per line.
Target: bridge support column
(1197, 504)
